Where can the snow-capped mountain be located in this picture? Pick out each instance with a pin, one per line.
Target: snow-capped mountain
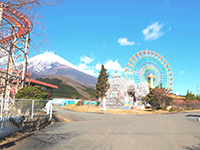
(47, 61)
(50, 64)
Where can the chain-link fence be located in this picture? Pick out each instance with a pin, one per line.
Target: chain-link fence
(31, 112)
(29, 108)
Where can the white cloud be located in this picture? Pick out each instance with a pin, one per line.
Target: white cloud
(124, 42)
(182, 72)
(87, 69)
(104, 45)
(152, 31)
(4, 56)
(98, 67)
(82, 66)
(169, 28)
(113, 66)
(166, 2)
(91, 72)
(86, 59)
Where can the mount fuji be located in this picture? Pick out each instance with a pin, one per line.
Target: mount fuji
(48, 64)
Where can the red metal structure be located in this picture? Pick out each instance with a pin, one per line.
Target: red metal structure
(15, 30)
(36, 82)
(43, 84)
(14, 17)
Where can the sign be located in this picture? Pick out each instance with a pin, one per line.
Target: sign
(126, 102)
(104, 104)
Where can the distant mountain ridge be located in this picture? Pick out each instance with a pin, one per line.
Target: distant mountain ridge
(48, 64)
(68, 88)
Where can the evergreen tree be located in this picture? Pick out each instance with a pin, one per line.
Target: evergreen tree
(198, 97)
(29, 93)
(158, 98)
(190, 96)
(102, 84)
(32, 92)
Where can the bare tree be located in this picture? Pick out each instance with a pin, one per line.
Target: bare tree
(16, 22)
(27, 7)
(30, 8)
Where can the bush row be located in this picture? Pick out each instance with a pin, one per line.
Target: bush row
(186, 105)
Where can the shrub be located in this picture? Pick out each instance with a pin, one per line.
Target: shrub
(158, 98)
(80, 103)
(180, 105)
(30, 92)
(192, 105)
(98, 103)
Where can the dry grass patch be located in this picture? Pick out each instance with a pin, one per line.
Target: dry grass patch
(57, 118)
(13, 139)
(95, 109)
(84, 108)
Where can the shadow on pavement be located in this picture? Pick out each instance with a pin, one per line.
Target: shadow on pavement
(192, 147)
(189, 115)
(12, 143)
(48, 140)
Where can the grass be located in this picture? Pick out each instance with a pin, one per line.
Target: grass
(96, 109)
(89, 91)
(65, 90)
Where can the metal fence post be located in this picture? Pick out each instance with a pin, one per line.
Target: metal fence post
(50, 110)
(32, 109)
(47, 106)
(21, 107)
(1, 108)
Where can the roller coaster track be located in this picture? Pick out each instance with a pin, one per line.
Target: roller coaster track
(15, 28)
(16, 19)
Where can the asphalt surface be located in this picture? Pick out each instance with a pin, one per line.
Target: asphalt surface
(90, 131)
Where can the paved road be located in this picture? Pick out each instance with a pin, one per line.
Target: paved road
(118, 132)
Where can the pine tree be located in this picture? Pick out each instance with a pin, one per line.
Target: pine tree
(31, 92)
(102, 84)
(198, 97)
(190, 96)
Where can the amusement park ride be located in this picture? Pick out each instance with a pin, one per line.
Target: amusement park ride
(144, 69)
(149, 66)
(15, 30)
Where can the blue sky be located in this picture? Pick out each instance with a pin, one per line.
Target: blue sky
(93, 32)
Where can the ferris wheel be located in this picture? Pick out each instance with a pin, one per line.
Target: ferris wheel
(151, 67)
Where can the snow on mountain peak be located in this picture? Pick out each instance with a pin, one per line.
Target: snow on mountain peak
(46, 61)
(50, 57)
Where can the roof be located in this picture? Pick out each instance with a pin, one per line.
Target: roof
(42, 83)
(176, 96)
